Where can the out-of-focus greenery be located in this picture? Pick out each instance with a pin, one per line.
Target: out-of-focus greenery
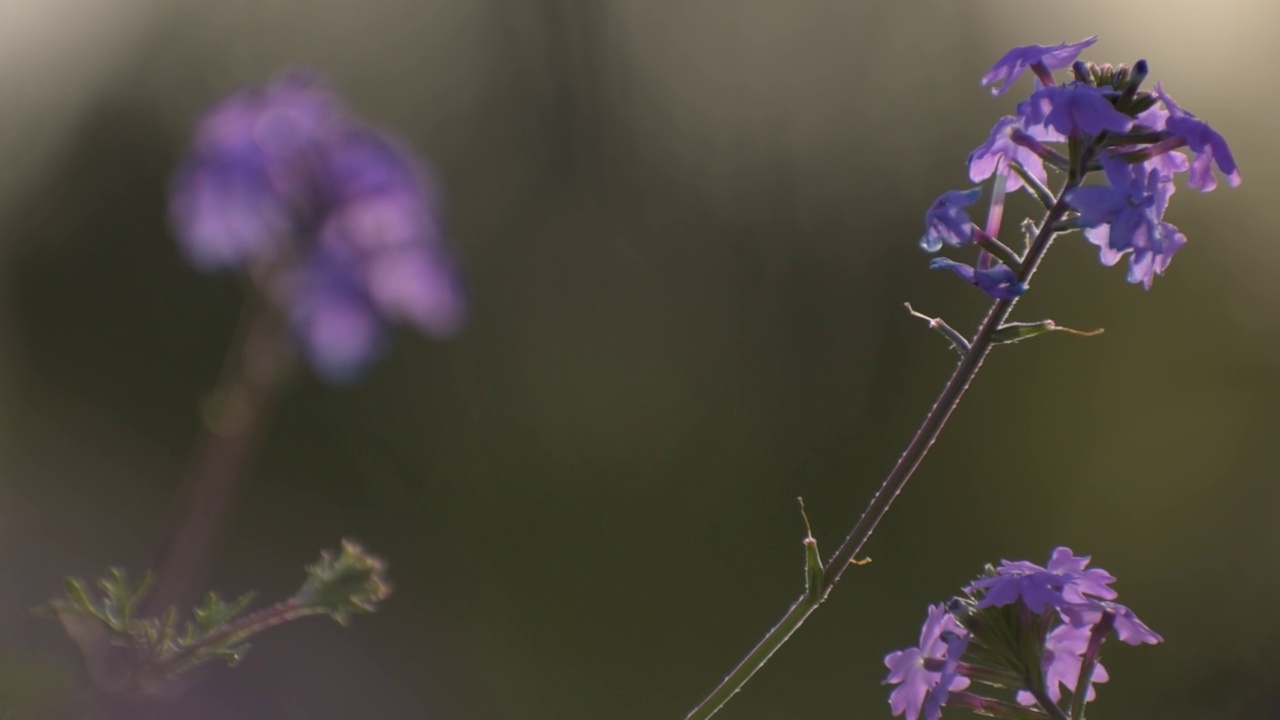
(131, 655)
(689, 229)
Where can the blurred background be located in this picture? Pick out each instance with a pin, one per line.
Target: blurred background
(689, 229)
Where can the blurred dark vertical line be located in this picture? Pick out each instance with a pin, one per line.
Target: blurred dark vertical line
(576, 31)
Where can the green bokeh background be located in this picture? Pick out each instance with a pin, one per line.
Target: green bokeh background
(689, 229)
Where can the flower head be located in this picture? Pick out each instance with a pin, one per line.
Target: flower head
(1023, 626)
(1125, 216)
(340, 224)
(1066, 579)
(1040, 59)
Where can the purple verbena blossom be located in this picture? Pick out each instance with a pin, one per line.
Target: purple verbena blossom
(998, 281)
(949, 678)
(332, 317)
(385, 223)
(1040, 59)
(1064, 612)
(947, 222)
(1064, 649)
(1128, 628)
(1073, 110)
(1204, 142)
(1066, 579)
(907, 667)
(339, 224)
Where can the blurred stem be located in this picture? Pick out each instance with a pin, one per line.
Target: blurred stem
(948, 399)
(240, 630)
(236, 415)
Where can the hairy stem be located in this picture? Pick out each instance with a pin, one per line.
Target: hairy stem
(892, 485)
(1049, 706)
(239, 630)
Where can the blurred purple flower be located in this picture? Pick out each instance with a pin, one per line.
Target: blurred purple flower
(998, 281)
(385, 224)
(236, 197)
(341, 224)
(1040, 59)
(333, 319)
(907, 667)
(947, 222)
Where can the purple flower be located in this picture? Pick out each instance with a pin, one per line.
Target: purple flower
(1065, 580)
(235, 198)
(1001, 149)
(227, 213)
(1040, 59)
(1205, 143)
(1128, 628)
(947, 221)
(998, 281)
(333, 319)
(1125, 216)
(341, 225)
(1073, 110)
(1150, 258)
(907, 667)
(1064, 650)
(1153, 118)
(385, 223)
(949, 678)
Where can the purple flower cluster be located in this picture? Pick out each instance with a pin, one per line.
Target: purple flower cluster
(1102, 121)
(1066, 607)
(926, 675)
(339, 224)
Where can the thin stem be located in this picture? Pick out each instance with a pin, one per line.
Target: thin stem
(243, 628)
(237, 414)
(998, 249)
(1048, 705)
(1089, 663)
(897, 478)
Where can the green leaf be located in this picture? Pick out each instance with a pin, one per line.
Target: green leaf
(1019, 331)
(346, 583)
(955, 339)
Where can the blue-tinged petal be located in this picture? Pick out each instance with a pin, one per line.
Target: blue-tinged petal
(947, 222)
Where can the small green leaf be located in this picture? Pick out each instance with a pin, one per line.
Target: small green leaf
(342, 584)
(1019, 331)
(955, 339)
(814, 572)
